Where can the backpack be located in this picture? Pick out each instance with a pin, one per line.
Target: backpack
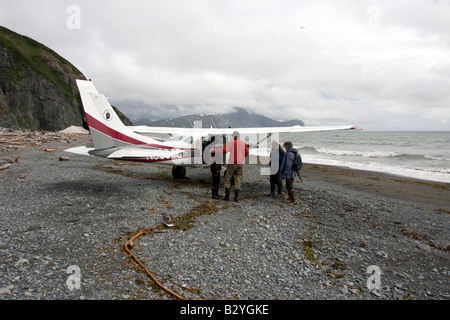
(297, 164)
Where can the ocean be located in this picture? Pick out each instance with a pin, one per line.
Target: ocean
(421, 155)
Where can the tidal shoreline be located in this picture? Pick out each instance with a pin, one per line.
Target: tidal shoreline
(81, 212)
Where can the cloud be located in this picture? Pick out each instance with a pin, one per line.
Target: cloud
(380, 64)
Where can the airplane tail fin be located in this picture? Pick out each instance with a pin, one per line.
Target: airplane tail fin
(107, 130)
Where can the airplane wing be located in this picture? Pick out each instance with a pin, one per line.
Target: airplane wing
(271, 130)
(145, 130)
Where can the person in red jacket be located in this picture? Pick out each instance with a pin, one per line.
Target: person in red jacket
(238, 152)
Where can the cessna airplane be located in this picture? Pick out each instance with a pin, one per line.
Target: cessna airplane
(188, 147)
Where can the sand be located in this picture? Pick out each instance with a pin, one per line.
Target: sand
(410, 189)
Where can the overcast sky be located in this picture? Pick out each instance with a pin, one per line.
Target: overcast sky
(383, 65)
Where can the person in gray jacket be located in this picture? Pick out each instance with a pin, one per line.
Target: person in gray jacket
(286, 171)
(276, 158)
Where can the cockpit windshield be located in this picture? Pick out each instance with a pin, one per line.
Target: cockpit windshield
(185, 139)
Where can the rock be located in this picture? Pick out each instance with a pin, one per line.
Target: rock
(376, 293)
(345, 289)
(5, 291)
(21, 261)
(424, 247)
(75, 129)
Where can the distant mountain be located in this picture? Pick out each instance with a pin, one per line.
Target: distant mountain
(38, 90)
(240, 118)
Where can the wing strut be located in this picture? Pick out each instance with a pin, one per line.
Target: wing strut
(257, 144)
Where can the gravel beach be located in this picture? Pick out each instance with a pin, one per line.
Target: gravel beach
(352, 234)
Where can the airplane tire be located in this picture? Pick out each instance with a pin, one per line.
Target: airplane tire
(178, 172)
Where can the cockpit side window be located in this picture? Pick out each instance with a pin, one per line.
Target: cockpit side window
(188, 140)
(177, 138)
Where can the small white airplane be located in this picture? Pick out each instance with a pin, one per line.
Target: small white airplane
(188, 147)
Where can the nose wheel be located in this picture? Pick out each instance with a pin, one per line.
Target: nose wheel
(178, 172)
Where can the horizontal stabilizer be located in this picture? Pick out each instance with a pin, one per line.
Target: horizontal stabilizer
(80, 150)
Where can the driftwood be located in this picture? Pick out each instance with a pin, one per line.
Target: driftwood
(18, 139)
(6, 163)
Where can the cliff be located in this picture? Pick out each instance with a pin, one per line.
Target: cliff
(37, 86)
(38, 90)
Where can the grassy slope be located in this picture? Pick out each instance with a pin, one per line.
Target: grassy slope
(32, 53)
(29, 52)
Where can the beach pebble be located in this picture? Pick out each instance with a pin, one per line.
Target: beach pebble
(64, 226)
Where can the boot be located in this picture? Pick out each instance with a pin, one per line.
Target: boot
(292, 197)
(280, 190)
(227, 194)
(215, 193)
(272, 189)
(236, 195)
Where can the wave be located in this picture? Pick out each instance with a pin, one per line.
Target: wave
(417, 154)
(372, 154)
(365, 154)
(436, 158)
(425, 173)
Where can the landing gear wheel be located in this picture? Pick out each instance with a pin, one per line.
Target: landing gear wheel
(178, 172)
